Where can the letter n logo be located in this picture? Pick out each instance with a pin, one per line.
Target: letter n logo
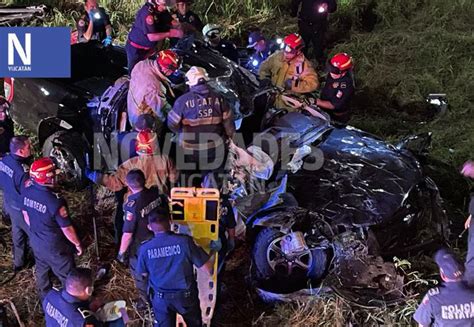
(23, 52)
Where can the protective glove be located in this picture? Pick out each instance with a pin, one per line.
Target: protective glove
(107, 41)
(93, 175)
(266, 82)
(288, 84)
(230, 244)
(215, 246)
(175, 33)
(122, 258)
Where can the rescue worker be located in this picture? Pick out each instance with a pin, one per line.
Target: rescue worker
(339, 88)
(313, 22)
(14, 169)
(289, 69)
(139, 204)
(100, 29)
(153, 24)
(167, 261)
(6, 126)
(450, 304)
(51, 229)
(149, 86)
(71, 305)
(212, 37)
(204, 123)
(468, 171)
(158, 169)
(185, 15)
(263, 49)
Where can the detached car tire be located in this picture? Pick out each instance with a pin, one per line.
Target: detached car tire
(264, 258)
(68, 151)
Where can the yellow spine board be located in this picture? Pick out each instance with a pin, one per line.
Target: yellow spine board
(195, 212)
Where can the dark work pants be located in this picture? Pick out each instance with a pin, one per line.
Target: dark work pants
(469, 265)
(58, 263)
(313, 34)
(118, 216)
(140, 281)
(188, 307)
(134, 56)
(20, 232)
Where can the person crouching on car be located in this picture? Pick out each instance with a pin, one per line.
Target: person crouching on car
(339, 88)
(213, 36)
(94, 24)
(6, 126)
(149, 87)
(263, 49)
(204, 123)
(289, 69)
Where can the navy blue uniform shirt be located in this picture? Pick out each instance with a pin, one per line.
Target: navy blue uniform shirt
(452, 304)
(339, 92)
(191, 18)
(168, 259)
(64, 310)
(99, 26)
(13, 173)
(146, 22)
(135, 210)
(471, 205)
(48, 213)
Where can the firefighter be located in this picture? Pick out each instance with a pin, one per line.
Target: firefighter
(153, 24)
(289, 69)
(159, 170)
(53, 238)
(149, 86)
(339, 88)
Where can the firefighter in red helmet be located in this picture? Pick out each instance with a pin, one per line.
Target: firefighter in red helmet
(53, 237)
(149, 86)
(290, 69)
(339, 88)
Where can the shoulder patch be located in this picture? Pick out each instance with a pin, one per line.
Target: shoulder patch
(339, 94)
(426, 300)
(81, 23)
(129, 216)
(63, 212)
(150, 20)
(28, 183)
(433, 291)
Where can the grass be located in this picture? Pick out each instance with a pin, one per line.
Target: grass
(403, 50)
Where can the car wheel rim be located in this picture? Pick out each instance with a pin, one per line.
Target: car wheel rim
(67, 163)
(287, 264)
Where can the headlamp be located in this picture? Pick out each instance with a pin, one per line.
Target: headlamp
(321, 9)
(255, 62)
(97, 15)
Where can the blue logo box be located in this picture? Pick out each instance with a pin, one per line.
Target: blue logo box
(32, 52)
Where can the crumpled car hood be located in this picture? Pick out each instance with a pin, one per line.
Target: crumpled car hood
(363, 180)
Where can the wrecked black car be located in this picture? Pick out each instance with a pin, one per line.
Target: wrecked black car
(330, 215)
